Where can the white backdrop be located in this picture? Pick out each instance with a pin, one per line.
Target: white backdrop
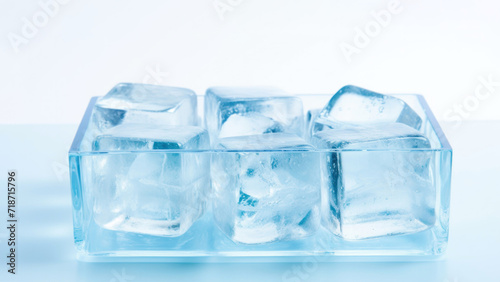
(56, 54)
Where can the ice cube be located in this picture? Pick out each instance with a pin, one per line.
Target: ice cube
(380, 184)
(262, 197)
(233, 111)
(144, 103)
(356, 105)
(159, 189)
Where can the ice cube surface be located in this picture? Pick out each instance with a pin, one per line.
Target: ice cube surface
(355, 105)
(151, 191)
(137, 137)
(234, 111)
(262, 197)
(250, 124)
(380, 184)
(144, 103)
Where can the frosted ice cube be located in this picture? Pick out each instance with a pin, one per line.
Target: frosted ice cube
(152, 192)
(262, 197)
(380, 184)
(144, 103)
(355, 105)
(233, 111)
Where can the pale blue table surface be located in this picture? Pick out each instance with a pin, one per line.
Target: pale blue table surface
(45, 239)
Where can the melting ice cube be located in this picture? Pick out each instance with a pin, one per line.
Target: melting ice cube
(160, 188)
(380, 184)
(233, 111)
(355, 105)
(269, 195)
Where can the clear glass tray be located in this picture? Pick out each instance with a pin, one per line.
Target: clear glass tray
(204, 241)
